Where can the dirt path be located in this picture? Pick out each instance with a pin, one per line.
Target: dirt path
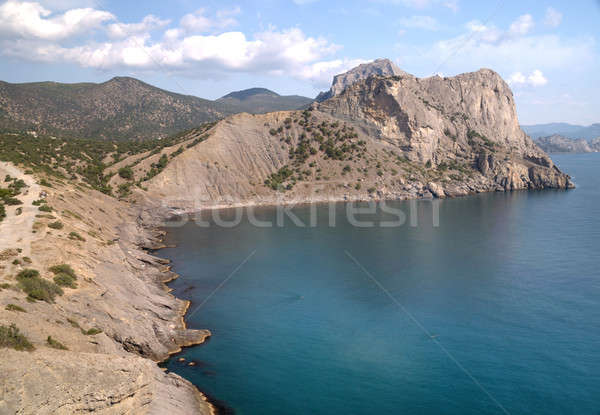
(15, 231)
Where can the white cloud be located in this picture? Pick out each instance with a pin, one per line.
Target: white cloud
(553, 17)
(421, 4)
(420, 22)
(149, 23)
(321, 73)
(522, 25)
(32, 20)
(537, 78)
(198, 22)
(517, 78)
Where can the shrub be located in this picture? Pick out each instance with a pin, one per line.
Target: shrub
(91, 332)
(75, 236)
(2, 212)
(12, 201)
(13, 307)
(16, 262)
(38, 202)
(64, 275)
(63, 269)
(126, 173)
(55, 344)
(11, 337)
(56, 225)
(36, 287)
(27, 260)
(65, 280)
(45, 208)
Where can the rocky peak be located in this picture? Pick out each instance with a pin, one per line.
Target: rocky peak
(379, 67)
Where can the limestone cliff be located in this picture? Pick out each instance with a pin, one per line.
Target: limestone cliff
(382, 137)
(379, 67)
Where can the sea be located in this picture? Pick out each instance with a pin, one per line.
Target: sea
(487, 304)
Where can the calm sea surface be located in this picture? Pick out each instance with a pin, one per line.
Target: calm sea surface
(496, 310)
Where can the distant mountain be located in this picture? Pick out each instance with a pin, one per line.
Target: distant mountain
(381, 67)
(122, 108)
(563, 129)
(559, 144)
(262, 100)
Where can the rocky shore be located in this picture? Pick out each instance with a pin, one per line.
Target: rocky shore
(97, 345)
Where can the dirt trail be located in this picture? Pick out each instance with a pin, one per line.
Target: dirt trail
(15, 231)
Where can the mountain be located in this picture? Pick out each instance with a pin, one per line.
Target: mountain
(396, 137)
(262, 100)
(559, 144)
(563, 129)
(122, 108)
(379, 67)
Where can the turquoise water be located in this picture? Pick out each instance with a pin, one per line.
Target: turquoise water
(505, 296)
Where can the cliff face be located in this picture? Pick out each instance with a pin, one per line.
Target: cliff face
(468, 118)
(379, 67)
(382, 137)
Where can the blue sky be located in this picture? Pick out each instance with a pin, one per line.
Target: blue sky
(547, 50)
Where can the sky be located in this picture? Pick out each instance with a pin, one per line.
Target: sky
(546, 50)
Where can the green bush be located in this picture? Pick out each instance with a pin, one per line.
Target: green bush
(38, 202)
(36, 287)
(56, 225)
(2, 212)
(64, 275)
(55, 344)
(65, 280)
(45, 208)
(75, 236)
(13, 307)
(91, 332)
(126, 173)
(11, 337)
(12, 201)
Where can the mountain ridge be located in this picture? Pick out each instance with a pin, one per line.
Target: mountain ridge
(121, 108)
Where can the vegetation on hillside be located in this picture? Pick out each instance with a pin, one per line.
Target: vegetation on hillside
(80, 159)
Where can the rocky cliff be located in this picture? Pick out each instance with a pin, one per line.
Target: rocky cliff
(382, 137)
(379, 67)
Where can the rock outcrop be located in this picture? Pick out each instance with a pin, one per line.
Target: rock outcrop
(379, 67)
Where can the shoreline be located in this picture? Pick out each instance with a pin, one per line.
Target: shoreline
(210, 402)
(161, 232)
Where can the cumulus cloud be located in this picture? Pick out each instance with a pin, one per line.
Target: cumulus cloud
(522, 25)
(149, 23)
(200, 46)
(198, 22)
(33, 21)
(420, 22)
(553, 17)
(536, 78)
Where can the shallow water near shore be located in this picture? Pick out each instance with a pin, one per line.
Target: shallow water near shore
(496, 310)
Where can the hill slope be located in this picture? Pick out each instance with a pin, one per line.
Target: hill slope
(122, 108)
(383, 137)
(262, 100)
